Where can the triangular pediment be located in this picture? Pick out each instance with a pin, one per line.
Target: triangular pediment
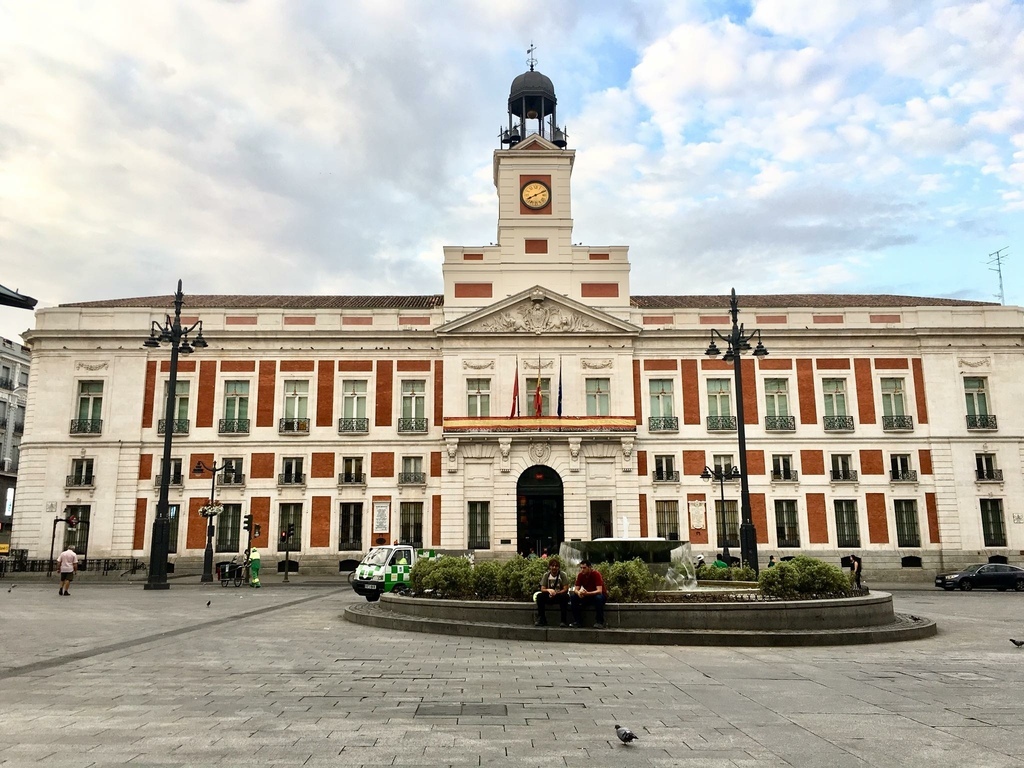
(533, 141)
(539, 311)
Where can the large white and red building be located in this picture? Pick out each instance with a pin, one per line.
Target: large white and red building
(871, 427)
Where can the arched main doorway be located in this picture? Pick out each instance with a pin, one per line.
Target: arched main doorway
(540, 511)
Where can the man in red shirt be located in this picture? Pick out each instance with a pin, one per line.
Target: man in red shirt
(589, 590)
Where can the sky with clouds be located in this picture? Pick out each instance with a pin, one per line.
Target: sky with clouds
(327, 147)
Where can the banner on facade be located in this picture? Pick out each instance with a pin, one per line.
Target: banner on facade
(381, 516)
(698, 511)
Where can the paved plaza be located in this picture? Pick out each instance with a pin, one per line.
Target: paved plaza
(116, 675)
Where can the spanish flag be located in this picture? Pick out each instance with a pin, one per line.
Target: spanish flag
(515, 393)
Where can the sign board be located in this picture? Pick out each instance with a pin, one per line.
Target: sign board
(698, 513)
(381, 516)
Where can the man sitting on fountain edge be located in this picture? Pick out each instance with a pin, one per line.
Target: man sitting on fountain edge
(554, 588)
(589, 590)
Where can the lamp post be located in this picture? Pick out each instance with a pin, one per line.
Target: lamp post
(738, 342)
(210, 511)
(721, 476)
(171, 333)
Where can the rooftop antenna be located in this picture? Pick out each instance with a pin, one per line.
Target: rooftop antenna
(531, 61)
(997, 259)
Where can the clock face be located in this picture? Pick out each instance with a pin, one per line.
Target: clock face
(536, 194)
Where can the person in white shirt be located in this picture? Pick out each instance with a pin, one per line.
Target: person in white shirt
(67, 564)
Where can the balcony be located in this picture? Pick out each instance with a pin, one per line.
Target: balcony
(231, 478)
(19, 427)
(178, 426)
(86, 426)
(293, 427)
(721, 423)
(6, 383)
(412, 425)
(780, 423)
(904, 476)
(175, 479)
(353, 426)
(351, 478)
(989, 475)
(838, 423)
(78, 481)
(291, 478)
(233, 426)
(897, 423)
(535, 424)
(663, 424)
(785, 476)
(981, 422)
(412, 478)
(665, 477)
(844, 475)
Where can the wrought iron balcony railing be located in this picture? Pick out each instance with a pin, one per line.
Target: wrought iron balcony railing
(665, 477)
(989, 475)
(349, 426)
(19, 427)
(6, 383)
(350, 545)
(663, 424)
(499, 424)
(231, 478)
(233, 426)
(178, 426)
(907, 476)
(291, 478)
(78, 481)
(780, 423)
(175, 480)
(294, 427)
(897, 423)
(786, 475)
(412, 425)
(86, 426)
(981, 422)
(846, 475)
(838, 423)
(479, 544)
(351, 478)
(721, 423)
(412, 478)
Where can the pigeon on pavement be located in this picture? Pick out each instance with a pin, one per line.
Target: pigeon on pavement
(208, 603)
(1018, 643)
(625, 735)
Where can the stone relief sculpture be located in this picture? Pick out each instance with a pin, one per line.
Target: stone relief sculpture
(595, 365)
(478, 365)
(539, 452)
(538, 317)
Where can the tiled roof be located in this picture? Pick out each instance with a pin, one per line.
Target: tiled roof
(747, 301)
(273, 302)
(810, 300)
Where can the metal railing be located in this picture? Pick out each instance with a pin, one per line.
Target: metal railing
(233, 426)
(176, 479)
(412, 478)
(6, 383)
(178, 426)
(892, 423)
(991, 475)
(479, 544)
(907, 476)
(78, 481)
(86, 426)
(981, 422)
(663, 424)
(412, 425)
(349, 426)
(291, 478)
(838, 423)
(19, 427)
(849, 475)
(780, 423)
(351, 478)
(786, 475)
(721, 423)
(665, 477)
(294, 427)
(231, 478)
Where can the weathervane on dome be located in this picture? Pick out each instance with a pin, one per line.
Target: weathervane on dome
(531, 61)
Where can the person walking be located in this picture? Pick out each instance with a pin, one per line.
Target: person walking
(855, 570)
(254, 568)
(67, 564)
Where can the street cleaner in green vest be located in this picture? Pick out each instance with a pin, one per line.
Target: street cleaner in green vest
(254, 568)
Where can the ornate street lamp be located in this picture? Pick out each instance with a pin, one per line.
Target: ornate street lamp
(721, 475)
(209, 511)
(738, 342)
(171, 333)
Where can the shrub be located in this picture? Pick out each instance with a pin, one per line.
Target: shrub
(420, 573)
(532, 574)
(485, 579)
(450, 577)
(627, 581)
(510, 580)
(804, 576)
(711, 573)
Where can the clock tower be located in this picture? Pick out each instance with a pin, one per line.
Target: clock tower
(532, 173)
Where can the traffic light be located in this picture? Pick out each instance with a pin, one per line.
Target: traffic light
(291, 530)
(284, 536)
(247, 522)
(72, 521)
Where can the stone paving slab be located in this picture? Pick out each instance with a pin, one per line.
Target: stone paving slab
(277, 677)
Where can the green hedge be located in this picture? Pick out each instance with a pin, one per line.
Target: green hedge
(711, 573)
(803, 577)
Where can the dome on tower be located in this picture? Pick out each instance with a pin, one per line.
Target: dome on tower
(532, 96)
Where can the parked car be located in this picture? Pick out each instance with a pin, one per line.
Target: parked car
(984, 576)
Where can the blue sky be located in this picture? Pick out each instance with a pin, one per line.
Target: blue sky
(817, 146)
